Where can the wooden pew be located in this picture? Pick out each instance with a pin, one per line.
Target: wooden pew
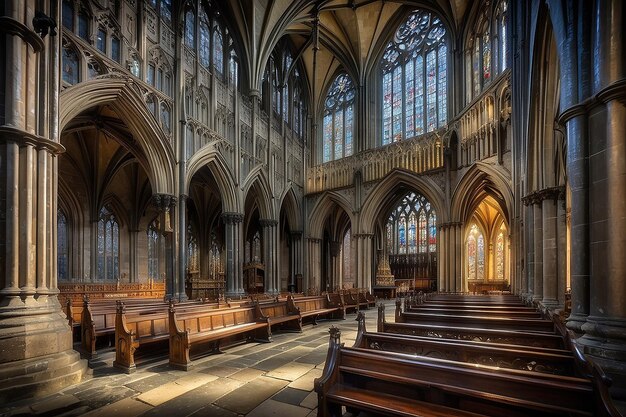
(489, 321)
(337, 299)
(279, 313)
(377, 381)
(474, 311)
(552, 361)
(349, 301)
(491, 308)
(541, 340)
(317, 306)
(362, 300)
(371, 300)
(135, 327)
(190, 328)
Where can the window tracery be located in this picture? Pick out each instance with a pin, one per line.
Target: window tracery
(338, 121)
(475, 246)
(414, 79)
(107, 266)
(411, 227)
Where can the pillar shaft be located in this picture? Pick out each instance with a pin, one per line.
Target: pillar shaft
(538, 252)
(549, 255)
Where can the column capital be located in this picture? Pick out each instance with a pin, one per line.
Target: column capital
(268, 223)
(314, 239)
(363, 235)
(163, 202)
(232, 217)
(550, 193)
(296, 234)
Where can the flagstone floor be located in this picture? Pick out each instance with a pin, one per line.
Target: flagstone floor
(253, 379)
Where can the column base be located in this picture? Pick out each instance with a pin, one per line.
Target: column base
(604, 342)
(575, 321)
(41, 376)
(550, 304)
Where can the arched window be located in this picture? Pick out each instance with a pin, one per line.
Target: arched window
(190, 29)
(70, 65)
(93, 69)
(153, 250)
(62, 246)
(218, 50)
(338, 119)
(204, 52)
(233, 68)
(414, 79)
(151, 104)
(475, 253)
(411, 227)
(500, 256)
(165, 10)
(134, 67)
(108, 262)
(488, 48)
(500, 25)
(101, 40)
(115, 49)
(68, 14)
(193, 259)
(347, 256)
(83, 25)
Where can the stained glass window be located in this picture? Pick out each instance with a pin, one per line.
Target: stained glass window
(166, 118)
(68, 14)
(190, 29)
(101, 41)
(107, 265)
(205, 41)
(151, 103)
(166, 10)
(233, 68)
(501, 18)
(218, 50)
(414, 221)
(153, 250)
(476, 253)
(70, 66)
(476, 66)
(414, 78)
(93, 69)
(480, 268)
(83, 26)
(133, 66)
(338, 112)
(486, 41)
(285, 102)
(62, 246)
(193, 262)
(500, 256)
(471, 257)
(115, 49)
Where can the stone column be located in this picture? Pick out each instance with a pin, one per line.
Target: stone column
(165, 204)
(132, 259)
(335, 262)
(364, 263)
(549, 255)
(36, 355)
(234, 279)
(269, 248)
(529, 268)
(314, 278)
(561, 229)
(442, 254)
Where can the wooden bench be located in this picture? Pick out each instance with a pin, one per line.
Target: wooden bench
(211, 327)
(541, 340)
(371, 300)
(368, 379)
(552, 361)
(279, 313)
(135, 327)
(475, 311)
(349, 301)
(317, 306)
(489, 321)
(336, 299)
(490, 308)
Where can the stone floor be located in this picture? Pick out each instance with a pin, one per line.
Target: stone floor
(253, 379)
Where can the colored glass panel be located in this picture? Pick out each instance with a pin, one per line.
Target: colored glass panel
(387, 95)
(349, 122)
(431, 92)
(204, 46)
(486, 57)
(62, 246)
(419, 96)
(397, 104)
(338, 136)
(409, 95)
(70, 66)
(190, 29)
(328, 136)
(218, 50)
(500, 256)
(480, 267)
(442, 85)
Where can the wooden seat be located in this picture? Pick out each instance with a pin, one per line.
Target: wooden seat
(188, 328)
(279, 312)
(317, 306)
(450, 384)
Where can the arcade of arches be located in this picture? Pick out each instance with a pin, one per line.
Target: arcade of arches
(224, 148)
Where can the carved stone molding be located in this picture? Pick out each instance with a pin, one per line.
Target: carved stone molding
(268, 223)
(232, 218)
(551, 193)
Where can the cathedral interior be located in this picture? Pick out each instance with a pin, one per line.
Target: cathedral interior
(245, 152)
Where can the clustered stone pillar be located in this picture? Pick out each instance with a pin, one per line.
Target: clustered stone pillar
(550, 245)
(36, 355)
(450, 255)
(314, 248)
(335, 262)
(538, 251)
(365, 254)
(234, 246)
(174, 285)
(295, 258)
(270, 239)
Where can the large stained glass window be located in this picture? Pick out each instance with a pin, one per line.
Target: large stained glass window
(62, 246)
(414, 79)
(190, 29)
(218, 50)
(337, 135)
(488, 46)
(411, 227)
(204, 47)
(70, 66)
(475, 253)
(108, 256)
(500, 256)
